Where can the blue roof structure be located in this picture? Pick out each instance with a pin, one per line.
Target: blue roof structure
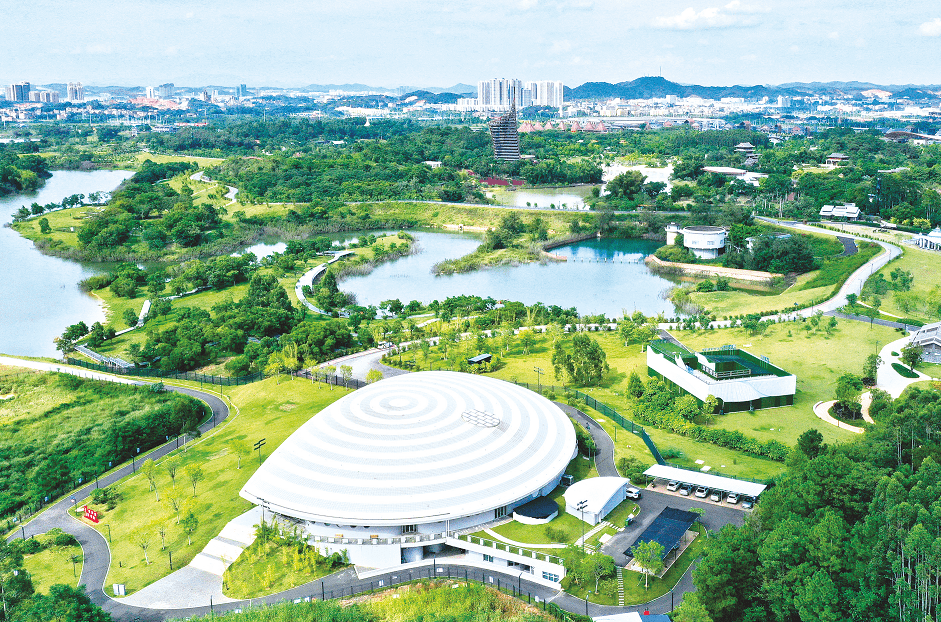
(667, 529)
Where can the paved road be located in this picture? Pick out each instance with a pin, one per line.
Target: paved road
(97, 553)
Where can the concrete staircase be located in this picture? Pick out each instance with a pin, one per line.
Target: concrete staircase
(225, 548)
(620, 587)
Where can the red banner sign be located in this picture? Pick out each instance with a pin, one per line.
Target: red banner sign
(90, 514)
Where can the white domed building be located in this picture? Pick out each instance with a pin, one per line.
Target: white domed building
(393, 472)
(705, 241)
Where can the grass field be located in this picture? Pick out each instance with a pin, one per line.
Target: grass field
(807, 289)
(267, 410)
(924, 266)
(788, 345)
(54, 565)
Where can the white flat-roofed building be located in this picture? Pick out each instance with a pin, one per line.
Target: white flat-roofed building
(738, 379)
(847, 211)
(391, 472)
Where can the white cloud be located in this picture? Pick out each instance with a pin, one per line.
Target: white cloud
(98, 48)
(190, 15)
(833, 35)
(932, 28)
(528, 4)
(794, 48)
(560, 47)
(710, 17)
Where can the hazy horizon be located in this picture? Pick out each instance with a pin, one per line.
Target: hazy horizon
(422, 43)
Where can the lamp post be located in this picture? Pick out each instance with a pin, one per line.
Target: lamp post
(581, 508)
(539, 374)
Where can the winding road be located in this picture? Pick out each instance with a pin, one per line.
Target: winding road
(97, 553)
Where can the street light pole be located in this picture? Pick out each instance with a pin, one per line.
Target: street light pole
(581, 508)
(539, 374)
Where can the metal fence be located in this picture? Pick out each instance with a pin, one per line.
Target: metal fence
(605, 410)
(152, 372)
(438, 571)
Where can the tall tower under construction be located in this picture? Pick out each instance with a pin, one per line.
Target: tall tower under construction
(504, 134)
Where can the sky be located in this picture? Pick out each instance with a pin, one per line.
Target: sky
(392, 43)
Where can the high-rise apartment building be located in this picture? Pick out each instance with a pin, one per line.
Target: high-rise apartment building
(165, 91)
(46, 97)
(546, 93)
(76, 92)
(18, 92)
(495, 93)
(242, 91)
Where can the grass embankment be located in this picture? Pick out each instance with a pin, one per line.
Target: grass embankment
(56, 429)
(436, 600)
(924, 266)
(808, 289)
(277, 560)
(267, 410)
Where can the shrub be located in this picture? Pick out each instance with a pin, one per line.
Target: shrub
(904, 371)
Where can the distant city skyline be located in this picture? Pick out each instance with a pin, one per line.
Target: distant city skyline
(423, 43)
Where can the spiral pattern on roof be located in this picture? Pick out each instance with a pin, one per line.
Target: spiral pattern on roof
(405, 451)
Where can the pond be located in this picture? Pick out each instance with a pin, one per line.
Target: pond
(600, 276)
(39, 294)
(571, 197)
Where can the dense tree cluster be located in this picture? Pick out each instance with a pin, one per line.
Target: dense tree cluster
(21, 173)
(849, 532)
(154, 210)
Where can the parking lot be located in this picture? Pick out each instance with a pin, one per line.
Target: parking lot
(661, 486)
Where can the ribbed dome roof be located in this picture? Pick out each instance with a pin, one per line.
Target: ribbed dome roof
(417, 448)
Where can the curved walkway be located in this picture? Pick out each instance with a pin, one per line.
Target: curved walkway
(308, 278)
(887, 378)
(822, 410)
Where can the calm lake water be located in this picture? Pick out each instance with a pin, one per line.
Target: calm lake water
(39, 295)
(601, 276)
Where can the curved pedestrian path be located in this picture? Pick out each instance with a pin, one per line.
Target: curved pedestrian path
(822, 410)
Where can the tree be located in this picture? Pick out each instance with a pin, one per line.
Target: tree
(347, 372)
(190, 524)
(635, 386)
(626, 185)
(851, 301)
(63, 603)
(149, 469)
(649, 556)
(811, 444)
(142, 538)
(171, 467)
(527, 339)
(849, 387)
(175, 503)
(44, 227)
(871, 369)
(241, 448)
(195, 475)
(329, 370)
(911, 355)
(130, 318)
(601, 566)
(374, 375)
(691, 610)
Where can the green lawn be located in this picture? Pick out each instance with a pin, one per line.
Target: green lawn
(924, 266)
(54, 565)
(817, 361)
(268, 567)
(932, 369)
(267, 410)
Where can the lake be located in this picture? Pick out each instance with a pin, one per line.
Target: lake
(39, 294)
(601, 276)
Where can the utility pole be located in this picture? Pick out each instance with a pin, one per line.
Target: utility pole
(539, 374)
(581, 508)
